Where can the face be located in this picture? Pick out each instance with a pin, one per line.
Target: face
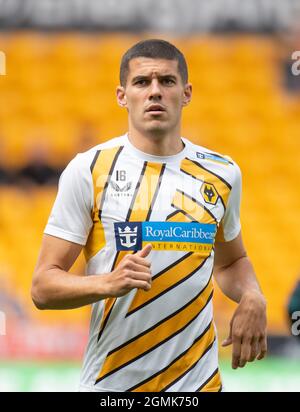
(154, 95)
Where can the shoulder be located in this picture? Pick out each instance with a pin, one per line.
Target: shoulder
(84, 161)
(221, 165)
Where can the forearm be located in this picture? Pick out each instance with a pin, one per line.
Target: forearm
(237, 279)
(58, 289)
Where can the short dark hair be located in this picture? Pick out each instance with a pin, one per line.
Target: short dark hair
(154, 49)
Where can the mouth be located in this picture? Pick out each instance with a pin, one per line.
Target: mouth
(155, 109)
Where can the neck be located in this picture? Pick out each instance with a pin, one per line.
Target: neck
(156, 143)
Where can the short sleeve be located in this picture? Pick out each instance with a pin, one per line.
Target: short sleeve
(230, 225)
(70, 218)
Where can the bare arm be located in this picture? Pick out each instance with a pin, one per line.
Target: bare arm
(233, 270)
(235, 275)
(54, 288)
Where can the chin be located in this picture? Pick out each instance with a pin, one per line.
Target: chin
(157, 130)
(156, 127)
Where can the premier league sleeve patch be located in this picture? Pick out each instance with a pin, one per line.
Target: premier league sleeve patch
(166, 236)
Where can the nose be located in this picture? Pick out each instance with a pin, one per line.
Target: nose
(155, 91)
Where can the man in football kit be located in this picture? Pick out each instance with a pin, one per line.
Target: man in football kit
(155, 215)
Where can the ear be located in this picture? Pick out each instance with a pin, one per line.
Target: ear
(121, 96)
(187, 94)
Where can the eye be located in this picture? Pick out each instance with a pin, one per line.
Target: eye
(168, 81)
(141, 82)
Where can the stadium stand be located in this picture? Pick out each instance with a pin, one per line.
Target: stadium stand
(57, 83)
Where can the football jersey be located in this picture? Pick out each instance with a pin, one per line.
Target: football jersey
(113, 200)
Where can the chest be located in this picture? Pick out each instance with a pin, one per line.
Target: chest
(161, 192)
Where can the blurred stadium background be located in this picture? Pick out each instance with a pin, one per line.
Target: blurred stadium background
(58, 98)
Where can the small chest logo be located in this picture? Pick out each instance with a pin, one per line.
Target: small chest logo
(209, 193)
(213, 157)
(120, 187)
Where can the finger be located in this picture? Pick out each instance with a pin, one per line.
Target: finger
(144, 276)
(263, 348)
(254, 350)
(236, 352)
(145, 251)
(135, 267)
(128, 254)
(140, 284)
(246, 349)
(140, 260)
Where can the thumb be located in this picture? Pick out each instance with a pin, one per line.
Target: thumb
(227, 341)
(145, 251)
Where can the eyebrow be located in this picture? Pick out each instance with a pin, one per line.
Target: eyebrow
(145, 77)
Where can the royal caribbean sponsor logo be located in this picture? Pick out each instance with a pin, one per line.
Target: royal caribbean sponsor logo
(172, 236)
(128, 235)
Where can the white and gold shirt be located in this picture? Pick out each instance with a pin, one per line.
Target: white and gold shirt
(114, 199)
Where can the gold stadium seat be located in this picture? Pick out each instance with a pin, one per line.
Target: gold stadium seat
(56, 84)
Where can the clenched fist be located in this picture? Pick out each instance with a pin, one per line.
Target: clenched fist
(132, 272)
